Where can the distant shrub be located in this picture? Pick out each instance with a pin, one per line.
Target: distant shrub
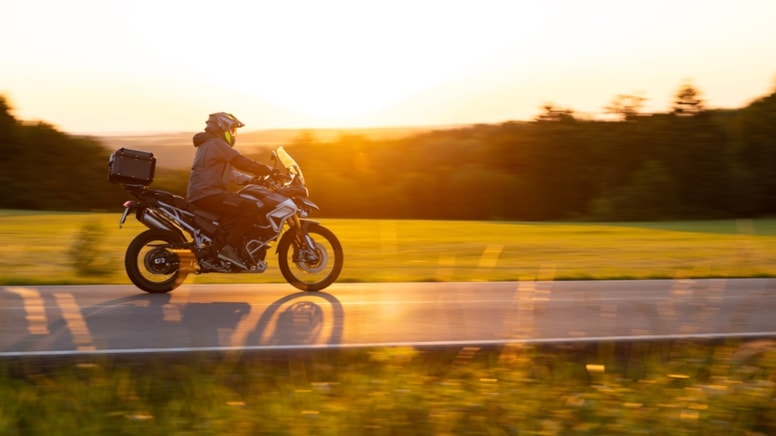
(86, 253)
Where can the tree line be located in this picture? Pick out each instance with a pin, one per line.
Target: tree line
(43, 168)
(687, 163)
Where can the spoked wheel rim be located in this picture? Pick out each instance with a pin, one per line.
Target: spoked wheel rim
(314, 265)
(151, 265)
(160, 264)
(311, 270)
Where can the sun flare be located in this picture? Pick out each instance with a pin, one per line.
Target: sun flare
(332, 97)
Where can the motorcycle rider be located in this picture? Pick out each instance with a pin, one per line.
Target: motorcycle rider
(217, 164)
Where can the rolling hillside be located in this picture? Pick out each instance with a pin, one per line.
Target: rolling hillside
(175, 150)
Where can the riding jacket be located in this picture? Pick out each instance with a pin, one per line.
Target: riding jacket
(216, 165)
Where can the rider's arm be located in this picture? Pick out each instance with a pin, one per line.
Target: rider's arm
(242, 163)
(240, 178)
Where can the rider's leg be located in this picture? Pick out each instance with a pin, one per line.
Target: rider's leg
(245, 213)
(239, 213)
(215, 205)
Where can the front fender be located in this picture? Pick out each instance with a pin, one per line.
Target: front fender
(305, 202)
(305, 224)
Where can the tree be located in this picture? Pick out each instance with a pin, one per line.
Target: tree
(551, 113)
(43, 168)
(7, 123)
(687, 101)
(756, 151)
(627, 107)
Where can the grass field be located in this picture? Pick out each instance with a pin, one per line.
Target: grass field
(680, 387)
(36, 247)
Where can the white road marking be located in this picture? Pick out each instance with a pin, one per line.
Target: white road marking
(475, 343)
(178, 300)
(35, 309)
(71, 313)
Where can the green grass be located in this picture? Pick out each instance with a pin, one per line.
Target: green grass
(676, 388)
(667, 388)
(36, 248)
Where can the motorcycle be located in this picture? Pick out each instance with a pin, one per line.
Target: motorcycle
(180, 237)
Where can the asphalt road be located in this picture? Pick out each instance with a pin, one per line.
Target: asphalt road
(68, 320)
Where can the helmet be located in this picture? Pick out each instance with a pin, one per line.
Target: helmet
(222, 123)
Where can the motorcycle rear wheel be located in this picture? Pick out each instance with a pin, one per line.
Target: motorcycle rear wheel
(311, 275)
(152, 267)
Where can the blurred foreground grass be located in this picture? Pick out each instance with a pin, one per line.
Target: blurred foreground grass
(36, 244)
(670, 388)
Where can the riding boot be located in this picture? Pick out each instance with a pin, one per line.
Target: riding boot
(227, 243)
(219, 242)
(231, 253)
(231, 246)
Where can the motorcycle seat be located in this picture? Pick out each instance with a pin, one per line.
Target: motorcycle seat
(181, 203)
(202, 212)
(170, 198)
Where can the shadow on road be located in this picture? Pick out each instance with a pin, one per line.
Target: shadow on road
(149, 322)
(298, 319)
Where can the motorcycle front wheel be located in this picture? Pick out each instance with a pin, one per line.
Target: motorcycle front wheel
(150, 265)
(310, 268)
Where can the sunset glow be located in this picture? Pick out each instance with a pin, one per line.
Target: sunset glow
(94, 66)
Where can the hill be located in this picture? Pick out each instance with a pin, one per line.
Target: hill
(175, 150)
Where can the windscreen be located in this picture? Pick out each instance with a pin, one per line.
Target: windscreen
(287, 161)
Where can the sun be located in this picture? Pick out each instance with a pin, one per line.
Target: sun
(345, 94)
(337, 99)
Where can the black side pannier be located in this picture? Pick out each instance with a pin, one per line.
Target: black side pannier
(131, 167)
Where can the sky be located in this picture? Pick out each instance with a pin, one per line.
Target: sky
(143, 66)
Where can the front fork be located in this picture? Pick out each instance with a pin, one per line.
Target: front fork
(305, 246)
